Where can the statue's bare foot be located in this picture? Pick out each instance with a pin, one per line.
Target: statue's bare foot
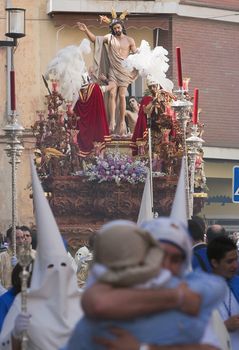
(122, 129)
(112, 126)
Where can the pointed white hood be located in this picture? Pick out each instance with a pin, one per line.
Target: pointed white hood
(53, 299)
(54, 289)
(179, 207)
(49, 241)
(173, 229)
(145, 211)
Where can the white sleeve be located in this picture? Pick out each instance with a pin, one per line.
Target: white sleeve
(209, 336)
(216, 334)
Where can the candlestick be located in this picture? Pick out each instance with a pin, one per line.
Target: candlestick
(12, 88)
(195, 108)
(179, 65)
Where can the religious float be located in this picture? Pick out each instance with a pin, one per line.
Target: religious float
(85, 192)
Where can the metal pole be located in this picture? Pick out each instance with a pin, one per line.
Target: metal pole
(13, 150)
(186, 170)
(14, 201)
(150, 162)
(13, 163)
(194, 143)
(24, 260)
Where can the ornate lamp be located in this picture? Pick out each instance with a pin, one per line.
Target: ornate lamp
(182, 107)
(15, 26)
(13, 150)
(13, 130)
(194, 143)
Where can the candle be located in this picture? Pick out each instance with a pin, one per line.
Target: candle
(168, 110)
(12, 88)
(195, 107)
(179, 65)
(173, 132)
(173, 115)
(185, 83)
(166, 135)
(54, 85)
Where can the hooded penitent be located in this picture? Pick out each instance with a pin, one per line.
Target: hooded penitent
(146, 207)
(53, 299)
(173, 229)
(179, 207)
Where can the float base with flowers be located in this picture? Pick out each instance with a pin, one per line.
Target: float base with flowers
(108, 188)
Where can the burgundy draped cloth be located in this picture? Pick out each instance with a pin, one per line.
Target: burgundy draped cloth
(92, 122)
(140, 131)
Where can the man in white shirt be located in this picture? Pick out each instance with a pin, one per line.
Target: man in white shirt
(223, 256)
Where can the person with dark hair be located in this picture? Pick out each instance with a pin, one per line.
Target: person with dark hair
(223, 257)
(131, 114)
(199, 259)
(28, 238)
(19, 236)
(113, 23)
(7, 259)
(214, 231)
(120, 45)
(201, 222)
(27, 233)
(140, 131)
(195, 230)
(7, 298)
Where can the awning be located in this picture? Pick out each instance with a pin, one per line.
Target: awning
(137, 21)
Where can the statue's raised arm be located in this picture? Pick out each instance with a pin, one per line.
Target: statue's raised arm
(84, 29)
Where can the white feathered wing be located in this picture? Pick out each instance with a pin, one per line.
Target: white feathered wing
(67, 67)
(153, 62)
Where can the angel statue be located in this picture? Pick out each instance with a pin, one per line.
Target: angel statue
(83, 258)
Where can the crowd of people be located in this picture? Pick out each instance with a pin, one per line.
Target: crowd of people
(141, 291)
